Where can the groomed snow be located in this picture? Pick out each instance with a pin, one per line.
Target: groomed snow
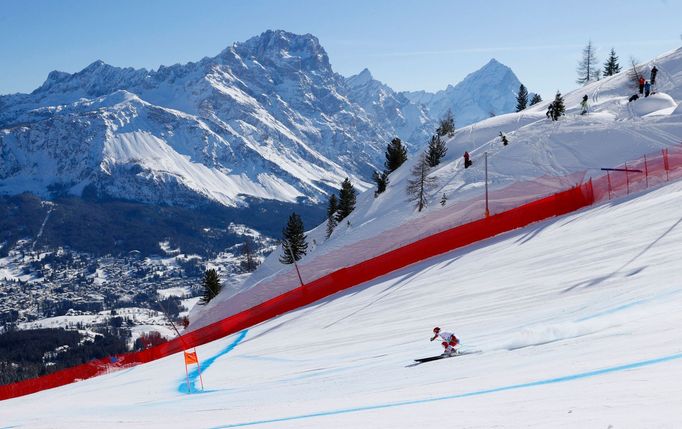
(575, 320)
(542, 157)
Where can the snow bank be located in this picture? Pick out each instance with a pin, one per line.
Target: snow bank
(653, 104)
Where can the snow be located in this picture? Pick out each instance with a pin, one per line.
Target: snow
(173, 291)
(543, 157)
(490, 90)
(557, 346)
(145, 320)
(657, 103)
(267, 119)
(571, 322)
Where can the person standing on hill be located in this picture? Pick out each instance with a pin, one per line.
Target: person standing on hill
(641, 84)
(583, 104)
(467, 161)
(647, 89)
(654, 71)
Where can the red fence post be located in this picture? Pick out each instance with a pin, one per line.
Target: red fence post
(627, 179)
(666, 167)
(646, 172)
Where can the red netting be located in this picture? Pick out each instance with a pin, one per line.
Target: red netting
(511, 209)
(637, 175)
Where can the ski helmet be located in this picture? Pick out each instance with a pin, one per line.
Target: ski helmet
(436, 330)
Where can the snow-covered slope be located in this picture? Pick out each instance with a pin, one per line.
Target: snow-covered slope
(575, 322)
(491, 90)
(563, 153)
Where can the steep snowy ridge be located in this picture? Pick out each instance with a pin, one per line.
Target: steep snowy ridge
(264, 134)
(267, 118)
(386, 106)
(491, 90)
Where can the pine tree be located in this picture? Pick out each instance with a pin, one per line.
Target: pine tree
(332, 207)
(249, 264)
(446, 126)
(381, 179)
(535, 99)
(346, 200)
(211, 285)
(522, 98)
(611, 66)
(396, 155)
(420, 185)
(294, 245)
(558, 107)
(588, 70)
(436, 151)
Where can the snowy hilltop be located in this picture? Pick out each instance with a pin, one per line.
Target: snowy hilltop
(542, 157)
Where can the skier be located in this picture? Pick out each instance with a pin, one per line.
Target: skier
(467, 161)
(647, 88)
(505, 142)
(654, 71)
(449, 343)
(550, 110)
(641, 84)
(583, 104)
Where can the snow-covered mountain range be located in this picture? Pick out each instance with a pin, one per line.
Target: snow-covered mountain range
(267, 118)
(489, 91)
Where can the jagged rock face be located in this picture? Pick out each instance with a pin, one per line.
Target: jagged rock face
(390, 108)
(491, 90)
(267, 118)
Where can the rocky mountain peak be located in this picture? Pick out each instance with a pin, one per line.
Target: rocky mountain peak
(360, 79)
(280, 46)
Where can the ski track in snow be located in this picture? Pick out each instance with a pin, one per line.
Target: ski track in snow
(562, 379)
(42, 227)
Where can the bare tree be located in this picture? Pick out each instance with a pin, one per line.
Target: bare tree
(634, 74)
(420, 185)
(588, 69)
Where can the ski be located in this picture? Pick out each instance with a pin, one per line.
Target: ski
(430, 358)
(439, 357)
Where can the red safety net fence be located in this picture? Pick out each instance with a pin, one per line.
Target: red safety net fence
(637, 175)
(654, 170)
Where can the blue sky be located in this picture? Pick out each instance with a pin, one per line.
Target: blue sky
(409, 45)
